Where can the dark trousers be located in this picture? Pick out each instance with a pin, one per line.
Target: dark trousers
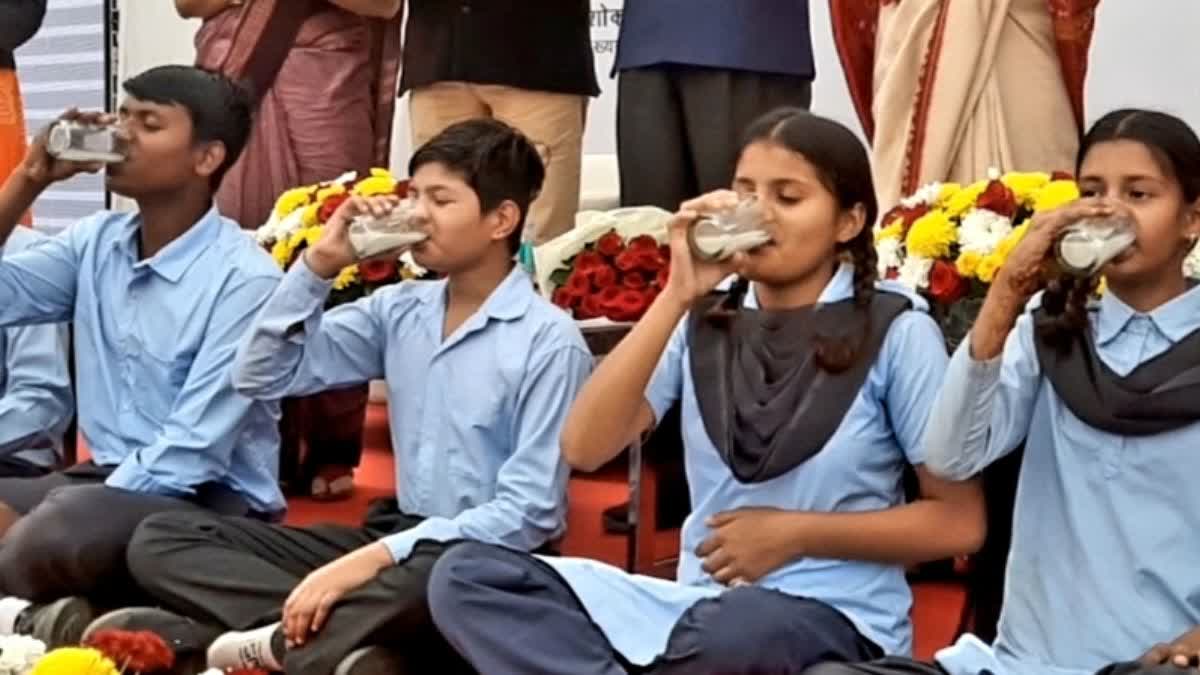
(72, 535)
(324, 429)
(679, 128)
(509, 613)
(16, 468)
(902, 666)
(238, 572)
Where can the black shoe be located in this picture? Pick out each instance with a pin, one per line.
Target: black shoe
(187, 638)
(58, 624)
(371, 661)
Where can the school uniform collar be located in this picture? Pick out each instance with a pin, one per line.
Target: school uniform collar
(176, 257)
(1175, 319)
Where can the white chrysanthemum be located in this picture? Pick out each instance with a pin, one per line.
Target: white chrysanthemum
(19, 654)
(888, 252)
(926, 194)
(411, 263)
(994, 174)
(914, 272)
(981, 231)
(1191, 265)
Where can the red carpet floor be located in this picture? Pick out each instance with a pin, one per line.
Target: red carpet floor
(936, 613)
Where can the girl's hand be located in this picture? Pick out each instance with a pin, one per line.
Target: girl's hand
(1022, 272)
(691, 278)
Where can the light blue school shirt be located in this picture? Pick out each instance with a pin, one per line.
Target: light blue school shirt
(859, 469)
(1105, 561)
(475, 417)
(154, 344)
(36, 401)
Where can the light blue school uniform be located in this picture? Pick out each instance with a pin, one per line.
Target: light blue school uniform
(154, 343)
(1105, 560)
(475, 417)
(859, 469)
(36, 400)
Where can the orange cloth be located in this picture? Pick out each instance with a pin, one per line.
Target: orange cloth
(12, 126)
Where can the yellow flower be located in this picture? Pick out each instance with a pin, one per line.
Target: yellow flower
(893, 231)
(964, 199)
(968, 263)
(282, 252)
(1055, 194)
(311, 215)
(986, 271)
(306, 236)
(346, 278)
(380, 182)
(1010, 242)
(75, 661)
(293, 199)
(1101, 287)
(932, 235)
(331, 190)
(948, 191)
(1025, 186)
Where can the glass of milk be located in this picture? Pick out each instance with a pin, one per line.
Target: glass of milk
(719, 235)
(371, 236)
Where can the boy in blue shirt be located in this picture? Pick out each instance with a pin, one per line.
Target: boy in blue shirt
(159, 300)
(480, 372)
(36, 400)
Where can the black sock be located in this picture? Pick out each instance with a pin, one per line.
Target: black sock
(278, 644)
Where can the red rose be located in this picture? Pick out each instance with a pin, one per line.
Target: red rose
(660, 279)
(564, 298)
(945, 284)
(378, 271)
(643, 242)
(330, 205)
(627, 260)
(578, 283)
(998, 199)
(610, 245)
(635, 280)
(589, 308)
(587, 261)
(892, 273)
(1062, 175)
(401, 189)
(908, 215)
(603, 276)
(628, 305)
(137, 651)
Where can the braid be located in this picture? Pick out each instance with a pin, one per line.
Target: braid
(836, 355)
(722, 313)
(1065, 301)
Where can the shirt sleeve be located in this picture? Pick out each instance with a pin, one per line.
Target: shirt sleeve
(38, 403)
(294, 348)
(38, 283)
(916, 358)
(984, 408)
(196, 441)
(666, 384)
(530, 502)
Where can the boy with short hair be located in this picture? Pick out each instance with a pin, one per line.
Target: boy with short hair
(481, 371)
(159, 299)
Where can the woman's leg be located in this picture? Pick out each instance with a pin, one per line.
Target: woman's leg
(508, 613)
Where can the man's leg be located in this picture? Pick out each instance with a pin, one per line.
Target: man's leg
(893, 665)
(755, 630)
(652, 149)
(18, 496)
(510, 614)
(554, 122)
(437, 106)
(720, 104)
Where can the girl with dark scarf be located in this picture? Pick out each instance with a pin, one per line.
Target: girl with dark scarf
(806, 389)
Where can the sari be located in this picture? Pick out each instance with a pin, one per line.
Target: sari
(943, 87)
(327, 110)
(12, 127)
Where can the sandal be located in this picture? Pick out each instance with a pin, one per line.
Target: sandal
(332, 484)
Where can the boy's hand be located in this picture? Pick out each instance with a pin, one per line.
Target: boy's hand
(333, 251)
(1182, 652)
(309, 605)
(42, 169)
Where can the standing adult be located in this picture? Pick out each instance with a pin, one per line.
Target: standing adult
(19, 21)
(943, 89)
(325, 73)
(692, 76)
(525, 62)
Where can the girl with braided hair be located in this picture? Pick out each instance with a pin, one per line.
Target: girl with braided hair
(1106, 397)
(805, 391)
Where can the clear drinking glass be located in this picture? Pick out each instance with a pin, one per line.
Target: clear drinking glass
(371, 236)
(78, 142)
(719, 235)
(1087, 246)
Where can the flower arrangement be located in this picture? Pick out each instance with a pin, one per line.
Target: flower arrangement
(111, 652)
(947, 241)
(611, 266)
(301, 213)
(19, 654)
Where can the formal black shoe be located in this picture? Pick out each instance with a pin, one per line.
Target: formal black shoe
(58, 624)
(187, 638)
